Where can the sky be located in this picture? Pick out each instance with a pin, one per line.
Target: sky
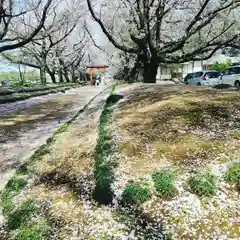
(5, 66)
(99, 37)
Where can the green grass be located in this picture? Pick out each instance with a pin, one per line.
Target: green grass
(62, 128)
(164, 183)
(103, 172)
(21, 215)
(135, 194)
(17, 217)
(16, 76)
(35, 230)
(233, 174)
(203, 183)
(13, 188)
(104, 164)
(16, 84)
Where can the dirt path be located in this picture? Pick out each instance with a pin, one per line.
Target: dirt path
(25, 125)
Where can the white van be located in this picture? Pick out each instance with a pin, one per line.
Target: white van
(231, 76)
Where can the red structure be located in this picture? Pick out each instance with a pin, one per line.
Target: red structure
(97, 68)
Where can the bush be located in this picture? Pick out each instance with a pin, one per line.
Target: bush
(221, 66)
(203, 183)
(164, 183)
(233, 174)
(135, 194)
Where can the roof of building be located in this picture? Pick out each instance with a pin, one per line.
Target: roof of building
(97, 66)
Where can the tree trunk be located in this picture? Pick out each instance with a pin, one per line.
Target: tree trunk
(43, 78)
(150, 72)
(21, 74)
(65, 71)
(66, 76)
(74, 77)
(60, 74)
(52, 75)
(43, 67)
(136, 72)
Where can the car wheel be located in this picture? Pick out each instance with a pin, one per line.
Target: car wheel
(237, 84)
(198, 84)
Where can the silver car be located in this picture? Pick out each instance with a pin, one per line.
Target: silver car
(205, 78)
(231, 76)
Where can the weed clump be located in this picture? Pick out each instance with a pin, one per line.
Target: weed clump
(164, 183)
(135, 194)
(13, 187)
(36, 230)
(203, 183)
(21, 215)
(233, 174)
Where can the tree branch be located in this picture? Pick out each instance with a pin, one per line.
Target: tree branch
(32, 35)
(108, 35)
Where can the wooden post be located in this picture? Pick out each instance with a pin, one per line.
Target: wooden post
(105, 82)
(91, 77)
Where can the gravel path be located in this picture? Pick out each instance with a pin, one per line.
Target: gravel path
(25, 125)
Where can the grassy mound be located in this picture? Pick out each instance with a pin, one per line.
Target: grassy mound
(203, 183)
(135, 194)
(233, 174)
(164, 183)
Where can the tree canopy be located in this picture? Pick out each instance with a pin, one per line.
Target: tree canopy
(168, 31)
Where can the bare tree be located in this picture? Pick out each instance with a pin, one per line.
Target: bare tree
(9, 16)
(167, 31)
(63, 58)
(72, 57)
(40, 51)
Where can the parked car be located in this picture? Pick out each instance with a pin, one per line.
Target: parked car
(206, 78)
(188, 77)
(231, 76)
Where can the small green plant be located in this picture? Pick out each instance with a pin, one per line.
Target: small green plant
(36, 230)
(21, 215)
(164, 182)
(135, 194)
(233, 174)
(13, 187)
(44, 149)
(203, 183)
(62, 128)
